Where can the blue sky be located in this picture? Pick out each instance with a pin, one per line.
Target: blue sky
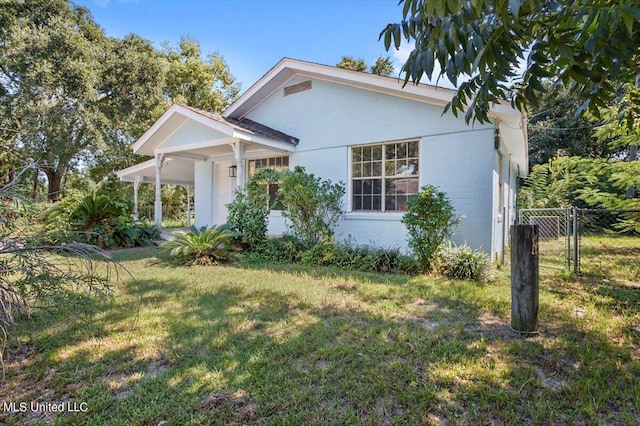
(253, 35)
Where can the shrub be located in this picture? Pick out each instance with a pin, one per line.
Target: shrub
(342, 255)
(284, 249)
(463, 262)
(248, 214)
(311, 205)
(430, 220)
(203, 246)
(99, 219)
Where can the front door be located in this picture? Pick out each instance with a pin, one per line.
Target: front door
(222, 191)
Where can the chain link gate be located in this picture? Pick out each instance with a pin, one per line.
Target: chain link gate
(596, 238)
(555, 231)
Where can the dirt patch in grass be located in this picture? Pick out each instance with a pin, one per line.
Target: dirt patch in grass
(238, 403)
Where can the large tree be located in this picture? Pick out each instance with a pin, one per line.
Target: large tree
(67, 89)
(205, 83)
(507, 48)
(554, 129)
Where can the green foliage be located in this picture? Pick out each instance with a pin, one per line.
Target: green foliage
(100, 219)
(200, 83)
(462, 263)
(248, 214)
(350, 63)
(203, 246)
(65, 95)
(98, 209)
(583, 46)
(382, 66)
(430, 220)
(581, 182)
(554, 130)
(621, 121)
(43, 276)
(345, 255)
(284, 249)
(312, 206)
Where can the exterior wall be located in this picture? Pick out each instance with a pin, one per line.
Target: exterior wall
(330, 118)
(203, 193)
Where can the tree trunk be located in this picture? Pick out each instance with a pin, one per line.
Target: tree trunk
(54, 178)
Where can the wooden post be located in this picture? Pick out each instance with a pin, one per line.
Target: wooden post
(524, 279)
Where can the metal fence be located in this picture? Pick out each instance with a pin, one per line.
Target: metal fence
(592, 241)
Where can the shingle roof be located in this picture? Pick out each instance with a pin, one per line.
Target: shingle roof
(247, 125)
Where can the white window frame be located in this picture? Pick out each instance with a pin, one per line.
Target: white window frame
(382, 212)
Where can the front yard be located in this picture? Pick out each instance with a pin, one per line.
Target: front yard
(283, 344)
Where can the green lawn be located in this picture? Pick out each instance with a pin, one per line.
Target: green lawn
(282, 344)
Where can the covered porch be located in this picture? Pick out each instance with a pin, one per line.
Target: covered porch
(203, 151)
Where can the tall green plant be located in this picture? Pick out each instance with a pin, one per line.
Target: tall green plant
(248, 213)
(430, 220)
(312, 206)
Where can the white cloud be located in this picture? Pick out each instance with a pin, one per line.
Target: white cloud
(401, 55)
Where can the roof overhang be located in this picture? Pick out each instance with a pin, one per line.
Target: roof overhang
(221, 133)
(175, 171)
(511, 122)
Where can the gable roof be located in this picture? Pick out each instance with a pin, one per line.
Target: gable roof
(512, 123)
(177, 115)
(247, 125)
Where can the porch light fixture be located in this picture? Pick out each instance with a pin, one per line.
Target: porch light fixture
(233, 171)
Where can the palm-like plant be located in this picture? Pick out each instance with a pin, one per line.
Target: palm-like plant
(203, 246)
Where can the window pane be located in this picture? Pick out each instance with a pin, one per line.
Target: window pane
(366, 153)
(366, 186)
(357, 187)
(413, 166)
(377, 186)
(390, 203)
(403, 150)
(367, 202)
(274, 200)
(377, 169)
(357, 202)
(413, 149)
(376, 153)
(357, 170)
(401, 202)
(377, 202)
(390, 151)
(357, 154)
(390, 168)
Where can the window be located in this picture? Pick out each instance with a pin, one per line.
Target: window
(384, 176)
(275, 163)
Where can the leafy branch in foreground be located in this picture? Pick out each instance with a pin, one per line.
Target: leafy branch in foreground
(36, 276)
(507, 49)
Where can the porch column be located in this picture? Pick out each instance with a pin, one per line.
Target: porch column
(158, 203)
(239, 149)
(188, 188)
(136, 185)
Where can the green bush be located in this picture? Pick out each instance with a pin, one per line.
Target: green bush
(99, 219)
(430, 220)
(343, 255)
(463, 262)
(203, 246)
(248, 214)
(284, 249)
(311, 205)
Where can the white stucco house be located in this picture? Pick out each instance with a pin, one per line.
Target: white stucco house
(382, 140)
